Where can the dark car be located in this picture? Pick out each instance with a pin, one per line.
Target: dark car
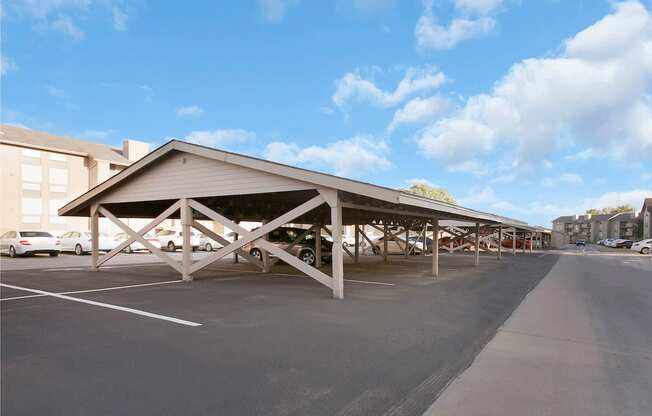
(580, 242)
(624, 244)
(283, 237)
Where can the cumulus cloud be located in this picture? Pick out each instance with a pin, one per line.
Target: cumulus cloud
(567, 178)
(432, 35)
(7, 65)
(220, 137)
(353, 88)
(65, 25)
(191, 110)
(419, 110)
(273, 11)
(485, 199)
(356, 156)
(596, 92)
(119, 19)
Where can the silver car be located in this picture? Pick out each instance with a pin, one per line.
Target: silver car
(25, 243)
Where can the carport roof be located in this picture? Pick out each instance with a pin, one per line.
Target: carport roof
(387, 200)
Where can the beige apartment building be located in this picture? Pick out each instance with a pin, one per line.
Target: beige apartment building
(646, 214)
(42, 172)
(570, 228)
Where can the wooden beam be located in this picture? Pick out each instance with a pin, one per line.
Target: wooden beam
(212, 234)
(435, 247)
(186, 233)
(95, 237)
(141, 240)
(500, 242)
(477, 243)
(338, 261)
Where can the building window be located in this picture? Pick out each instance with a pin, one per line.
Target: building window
(30, 219)
(58, 188)
(31, 153)
(57, 156)
(31, 206)
(58, 176)
(31, 186)
(31, 173)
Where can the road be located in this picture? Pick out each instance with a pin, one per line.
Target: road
(579, 344)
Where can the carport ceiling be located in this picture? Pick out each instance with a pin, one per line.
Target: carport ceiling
(244, 188)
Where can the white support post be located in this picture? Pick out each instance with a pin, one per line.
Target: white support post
(356, 241)
(333, 200)
(186, 231)
(407, 242)
(435, 247)
(513, 241)
(424, 247)
(318, 246)
(384, 241)
(95, 237)
(524, 242)
(531, 242)
(500, 242)
(265, 254)
(477, 243)
(235, 238)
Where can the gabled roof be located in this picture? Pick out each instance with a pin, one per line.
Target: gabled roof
(23, 137)
(388, 195)
(647, 204)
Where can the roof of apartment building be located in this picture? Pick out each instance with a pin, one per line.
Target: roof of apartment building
(24, 137)
(647, 204)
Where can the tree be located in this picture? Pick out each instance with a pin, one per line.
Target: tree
(611, 210)
(439, 194)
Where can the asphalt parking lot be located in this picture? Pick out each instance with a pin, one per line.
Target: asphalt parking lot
(135, 340)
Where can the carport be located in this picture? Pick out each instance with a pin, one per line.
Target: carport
(192, 183)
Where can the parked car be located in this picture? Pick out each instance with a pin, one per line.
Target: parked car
(599, 242)
(18, 243)
(282, 237)
(395, 245)
(622, 243)
(608, 242)
(80, 242)
(136, 245)
(171, 240)
(643, 246)
(207, 244)
(580, 242)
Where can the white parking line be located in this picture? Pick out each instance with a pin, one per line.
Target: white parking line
(104, 305)
(346, 280)
(95, 290)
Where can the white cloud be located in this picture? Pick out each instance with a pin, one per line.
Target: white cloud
(356, 156)
(595, 92)
(474, 167)
(567, 178)
(352, 87)
(191, 110)
(119, 19)
(7, 65)
(432, 35)
(65, 25)
(55, 92)
(274, 11)
(478, 6)
(220, 137)
(421, 181)
(634, 198)
(485, 199)
(419, 110)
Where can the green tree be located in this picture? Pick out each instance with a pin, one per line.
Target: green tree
(611, 210)
(439, 194)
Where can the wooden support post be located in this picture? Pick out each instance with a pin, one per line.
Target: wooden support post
(356, 241)
(424, 247)
(384, 242)
(235, 238)
(524, 242)
(500, 242)
(531, 242)
(318, 246)
(95, 237)
(514, 242)
(435, 247)
(407, 241)
(265, 254)
(186, 233)
(338, 255)
(477, 243)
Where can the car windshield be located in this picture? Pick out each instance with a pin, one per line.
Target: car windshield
(35, 234)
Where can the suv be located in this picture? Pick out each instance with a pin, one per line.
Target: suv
(282, 237)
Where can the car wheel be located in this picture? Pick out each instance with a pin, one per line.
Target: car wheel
(78, 250)
(54, 254)
(208, 247)
(645, 250)
(171, 246)
(12, 251)
(256, 253)
(307, 257)
(129, 250)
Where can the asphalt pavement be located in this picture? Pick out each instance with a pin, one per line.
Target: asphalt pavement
(579, 344)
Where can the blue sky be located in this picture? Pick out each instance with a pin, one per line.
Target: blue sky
(530, 109)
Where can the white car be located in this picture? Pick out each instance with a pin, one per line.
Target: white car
(18, 243)
(136, 245)
(171, 240)
(80, 242)
(643, 246)
(208, 244)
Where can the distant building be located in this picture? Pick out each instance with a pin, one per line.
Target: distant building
(568, 229)
(41, 172)
(646, 215)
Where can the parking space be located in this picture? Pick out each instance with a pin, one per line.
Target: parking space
(263, 343)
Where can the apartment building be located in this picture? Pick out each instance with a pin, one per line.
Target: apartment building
(41, 172)
(571, 228)
(646, 215)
